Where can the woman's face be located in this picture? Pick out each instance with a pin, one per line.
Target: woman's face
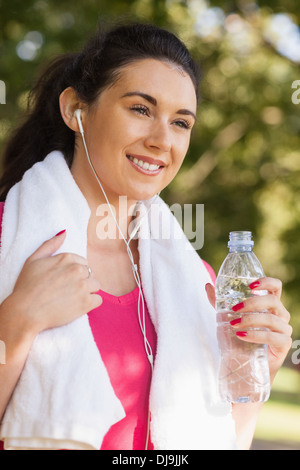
(138, 132)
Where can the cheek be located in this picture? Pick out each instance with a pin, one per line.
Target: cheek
(177, 161)
(181, 151)
(119, 136)
(104, 140)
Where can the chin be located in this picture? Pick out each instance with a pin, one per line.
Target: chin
(145, 196)
(142, 194)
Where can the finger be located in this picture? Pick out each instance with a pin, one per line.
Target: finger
(93, 285)
(49, 247)
(96, 301)
(262, 321)
(256, 304)
(76, 264)
(273, 286)
(85, 270)
(210, 290)
(275, 340)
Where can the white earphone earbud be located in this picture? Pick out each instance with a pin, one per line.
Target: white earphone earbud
(78, 117)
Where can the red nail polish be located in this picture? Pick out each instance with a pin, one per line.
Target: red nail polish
(60, 233)
(254, 284)
(237, 307)
(235, 322)
(241, 334)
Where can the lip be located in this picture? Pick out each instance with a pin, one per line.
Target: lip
(147, 160)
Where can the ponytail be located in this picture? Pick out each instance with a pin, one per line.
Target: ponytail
(43, 131)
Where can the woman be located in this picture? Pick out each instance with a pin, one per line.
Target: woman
(110, 123)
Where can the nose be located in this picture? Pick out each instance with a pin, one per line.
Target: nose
(159, 137)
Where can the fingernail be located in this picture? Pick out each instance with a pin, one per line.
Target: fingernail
(235, 322)
(237, 307)
(254, 284)
(60, 233)
(241, 334)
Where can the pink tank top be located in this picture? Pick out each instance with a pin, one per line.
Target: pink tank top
(117, 333)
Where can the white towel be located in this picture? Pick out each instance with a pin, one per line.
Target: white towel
(186, 410)
(64, 398)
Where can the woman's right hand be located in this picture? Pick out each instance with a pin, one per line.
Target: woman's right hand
(53, 290)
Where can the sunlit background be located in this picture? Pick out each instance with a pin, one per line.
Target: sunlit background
(244, 160)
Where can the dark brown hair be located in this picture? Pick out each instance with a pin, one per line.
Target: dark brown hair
(88, 72)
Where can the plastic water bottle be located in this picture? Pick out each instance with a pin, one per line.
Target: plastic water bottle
(244, 372)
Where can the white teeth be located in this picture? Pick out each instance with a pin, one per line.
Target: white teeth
(144, 165)
(153, 167)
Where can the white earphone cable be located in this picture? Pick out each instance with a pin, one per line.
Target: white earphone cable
(141, 300)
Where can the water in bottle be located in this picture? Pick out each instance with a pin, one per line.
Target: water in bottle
(244, 372)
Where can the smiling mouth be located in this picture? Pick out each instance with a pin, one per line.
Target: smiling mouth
(144, 165)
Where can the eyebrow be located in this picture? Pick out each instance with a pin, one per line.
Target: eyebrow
(153, 101)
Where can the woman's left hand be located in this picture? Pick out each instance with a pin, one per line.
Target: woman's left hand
(273, 322)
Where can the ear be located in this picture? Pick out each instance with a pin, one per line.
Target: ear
(68, 103)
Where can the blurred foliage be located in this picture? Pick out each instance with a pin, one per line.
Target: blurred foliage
(244, 160)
